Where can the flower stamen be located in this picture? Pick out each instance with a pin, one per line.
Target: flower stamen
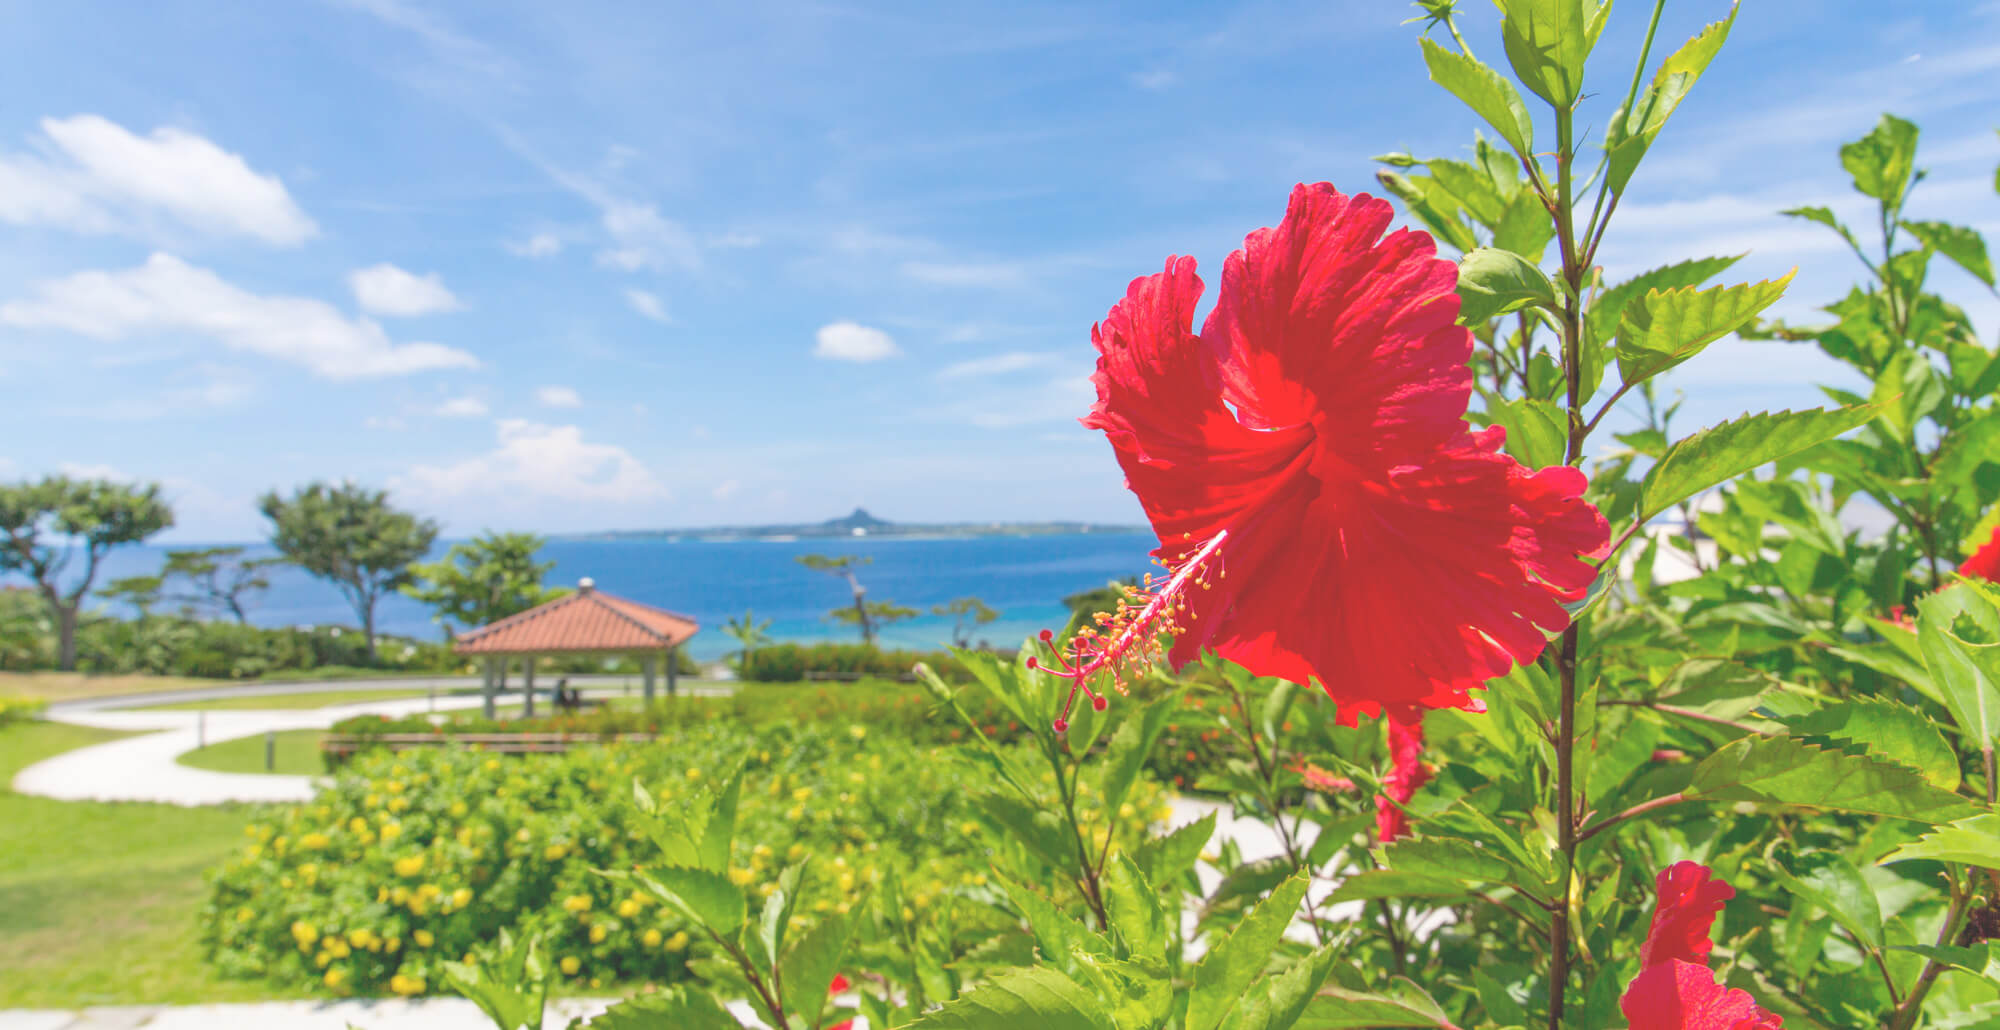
(1127, 641)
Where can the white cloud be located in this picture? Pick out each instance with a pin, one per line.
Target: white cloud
(998, 364)
(393, 423)
(1157, 79)
(540, 245)
(647, 304)
(558, 397)
(847, 341)
(385, 289)
(79, 470)
(461, 407)
(726, 489)
(643, 238)
(1062, 398)
(95, 176)
(542, 461)
(993, 275)
(735, 240)
(167, 294)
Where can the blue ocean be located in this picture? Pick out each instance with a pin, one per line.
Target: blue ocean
(1024, 578)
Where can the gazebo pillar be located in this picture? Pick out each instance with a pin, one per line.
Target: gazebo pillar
(528, 686)
(651, 664)
(673, 670)
(488, 681)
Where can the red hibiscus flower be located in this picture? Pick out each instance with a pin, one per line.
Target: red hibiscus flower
(1675, 989)
(1984, 563)
(1407, 772)
(1328, 515)
(838, 985)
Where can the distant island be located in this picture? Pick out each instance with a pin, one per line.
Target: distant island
(861, 524)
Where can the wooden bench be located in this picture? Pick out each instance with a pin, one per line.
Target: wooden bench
(345, 744)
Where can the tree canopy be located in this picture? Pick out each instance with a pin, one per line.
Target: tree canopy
(484, 580)
(57, 532)
(350, 536)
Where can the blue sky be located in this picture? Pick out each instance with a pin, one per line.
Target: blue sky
(592, 265)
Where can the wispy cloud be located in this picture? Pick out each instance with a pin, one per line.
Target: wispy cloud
(167, 294)
(385, 289)
(99, 177)
(647, 304)
(997, 364)
(541, 461)
(461, 407)
(540, 245)
(558, 397)
(997, 275)
(848, 341)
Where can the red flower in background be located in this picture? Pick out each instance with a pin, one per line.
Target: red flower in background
(1306, 464)
(1407, 772)
(838, 985)
(1984, 563)
(1675, 989)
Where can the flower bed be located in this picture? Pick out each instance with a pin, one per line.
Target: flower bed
(409, 859)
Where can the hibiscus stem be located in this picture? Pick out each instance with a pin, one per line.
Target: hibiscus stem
(1912, 1004)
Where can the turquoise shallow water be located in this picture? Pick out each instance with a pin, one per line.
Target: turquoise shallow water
(1024, 578)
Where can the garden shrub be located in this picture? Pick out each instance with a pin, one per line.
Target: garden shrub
(409, 859)
(791, 663)
(13, 710)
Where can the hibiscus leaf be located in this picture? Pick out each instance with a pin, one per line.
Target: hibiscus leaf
(1632, 132)
(1883, 161)
(1482, 89)
(1059, 937)
(1276, 1002)
(1038, 829)
(1166, 858)
(1015, 998)
(703, 896)
(1723, 452)
(1666, 327)
(1786, 771)
(1130, 747)
(1447, 858)
(1394, 883)
(1135, 911)
(1973, 841)
(1494, 282)
(1887, 728)
(1548, 41)
(675, 1006)
(807, 970)
(1959, 633)
(1400, 1004)
(1827, 881)
(1228, 968)
(1963, 246)
(1609, 309)
(1536, 434)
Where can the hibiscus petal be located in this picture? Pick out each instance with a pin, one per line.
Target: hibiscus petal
(1325, 319)
(1678, 995)
(1690, 897)
(1985, 562)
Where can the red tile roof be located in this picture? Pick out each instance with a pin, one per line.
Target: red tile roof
(583, 621)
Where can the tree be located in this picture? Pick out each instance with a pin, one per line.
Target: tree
(141, 592)
(969, 614)
(93, 516)
(350, 536)
(873, 615)
(484, 580)
(748, 632)
(218, 577)
(844, 566)
(1106, 598)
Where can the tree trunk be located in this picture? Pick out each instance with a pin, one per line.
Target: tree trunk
(236, 609)
(66, 619)
(861, 616)
(368, 628)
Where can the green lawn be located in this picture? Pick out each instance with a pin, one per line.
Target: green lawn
(273, 702)
(98, 902)
(296, 754)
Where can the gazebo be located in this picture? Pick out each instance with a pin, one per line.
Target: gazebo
(585, 622)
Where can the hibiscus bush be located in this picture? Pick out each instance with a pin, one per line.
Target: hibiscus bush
(1414, 556)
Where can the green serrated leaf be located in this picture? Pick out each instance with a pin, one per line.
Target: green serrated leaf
(1130, 747)
(1723, 452)
(1889, 729)
(1964, 660)
(706, 897)
(1494, 282)
(1229, 967)
(1039, 830)
(1666, 327)
(1883, 161)
(1784, 771)
(1277, 1002)
(1536, 434)
(1166, 858)
(777, 914)
(678, 1006)
(1831, 883)
(1401, 1004)
(1447, 858)
(1631, 132)
(720, 828)
(1392, 883)
(1019, 998)
(1484, 91)
(809, 967)
(1964, 246)
(1058, 936)
(1973, 841)
(1609, 310)
(1548, 42)
(1136, 913)
(509, 980)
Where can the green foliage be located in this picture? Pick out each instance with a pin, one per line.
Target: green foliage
(1494, 282)
(48, 527)
(349, 536)
(1483, 90)
(1724, 452)
(218, 578)
(483, 580)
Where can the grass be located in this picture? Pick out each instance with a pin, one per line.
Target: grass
(99, 902)
(274, 702)
(296, 754)
(68, 686)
